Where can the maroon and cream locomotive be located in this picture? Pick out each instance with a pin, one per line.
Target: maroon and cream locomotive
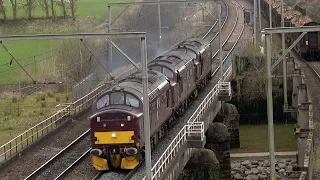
(174, 80)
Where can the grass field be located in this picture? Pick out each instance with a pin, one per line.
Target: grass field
(19, 114)
(89, 13)
(254, 138)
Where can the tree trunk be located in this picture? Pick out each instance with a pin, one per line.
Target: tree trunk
(3, 10)
(52, 9)
(73, 9)
(29, 6)
(63, 9)
(45, 7)
(14, 8)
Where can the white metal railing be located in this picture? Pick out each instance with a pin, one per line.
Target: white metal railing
(64, 110)
(170, 152)
(224, 87)
(23, 140)
(194, 127)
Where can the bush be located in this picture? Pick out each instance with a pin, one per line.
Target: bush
(43, 104)
(42, 97)
(57, 99)
(50, 95)
(67, 97)
(14, 99)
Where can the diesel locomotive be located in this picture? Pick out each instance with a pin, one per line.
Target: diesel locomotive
(174, 80)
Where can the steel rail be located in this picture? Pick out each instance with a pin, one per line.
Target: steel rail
(224, 22)
(63, 173)
(225, 58)
(97, 176)
(50, 161)
(83, 155)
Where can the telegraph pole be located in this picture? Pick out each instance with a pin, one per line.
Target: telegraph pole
(220, 43)
(109, 31)
(284, 60)
(259, 8)
(270, 18)
(255, 23)
(159, 16)
(270, 110)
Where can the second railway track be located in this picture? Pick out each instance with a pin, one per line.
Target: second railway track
(62, 163)
(57, 165)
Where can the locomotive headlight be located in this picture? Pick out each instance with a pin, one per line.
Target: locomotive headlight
(98, 119)
(129, 118)
(113, 135)
(122, 124)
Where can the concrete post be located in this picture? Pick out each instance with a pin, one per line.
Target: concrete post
(303, 115)
(296, 80)
(303, 122)
(290, 65)
(302, 94)
(234, 66)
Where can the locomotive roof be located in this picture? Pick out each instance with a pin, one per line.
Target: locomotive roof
(181, 54)
(133, 84)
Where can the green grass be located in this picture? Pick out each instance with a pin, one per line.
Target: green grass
(254, 138)
(19, 114)
(89, 13)
(96, 8)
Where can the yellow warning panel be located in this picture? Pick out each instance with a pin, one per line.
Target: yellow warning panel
(99, 163)
(118, 137)
(130, 162)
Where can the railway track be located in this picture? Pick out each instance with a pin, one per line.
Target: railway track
(232, 38)
(64, 160)
(63, 163)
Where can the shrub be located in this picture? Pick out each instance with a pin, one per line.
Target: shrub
(43, 104)
(50, 95)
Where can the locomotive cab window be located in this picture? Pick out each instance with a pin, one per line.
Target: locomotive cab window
(117, 98)
(104, 101)
(132, 101)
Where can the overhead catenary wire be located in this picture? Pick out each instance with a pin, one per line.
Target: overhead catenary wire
(85, 45)
(13, 58)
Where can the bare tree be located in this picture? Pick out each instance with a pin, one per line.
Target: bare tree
(14, 8)
(3, 10)
(75, 61)
(44, 4)
(30, 5)
(254, 83)
(73, 8)
(52, 9)
(64, 11)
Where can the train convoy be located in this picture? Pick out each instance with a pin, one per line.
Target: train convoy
(309, 45)
(174, 80)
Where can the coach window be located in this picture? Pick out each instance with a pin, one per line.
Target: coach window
(132, 101)
(167, 73)
(156, 68)
(104, 101)
(117, 98)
